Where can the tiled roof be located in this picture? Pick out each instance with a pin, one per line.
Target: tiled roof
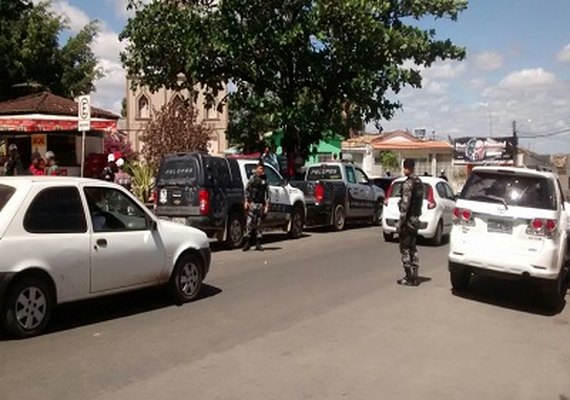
(48, 103)
(419, 145)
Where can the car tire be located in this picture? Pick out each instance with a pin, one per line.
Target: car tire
(28, 307)
(297, 222)
(186, 279)
(388, 237)
(437, 239)
(377, 217)
(235, 231)
(459, 277)
(339, 218)
(552, 293)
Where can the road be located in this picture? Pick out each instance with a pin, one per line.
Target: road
(316, 318)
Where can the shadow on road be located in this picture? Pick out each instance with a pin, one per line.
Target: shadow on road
(87, 312)
(268, 238)
(525, 296)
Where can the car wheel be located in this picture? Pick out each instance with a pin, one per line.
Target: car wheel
(552, 291)
(28, 307)
(297, 223)
(388, 237)
(186, 279)
(234, 236)
(377, 218)
(437, 239)
(459, 277)
(339, 217)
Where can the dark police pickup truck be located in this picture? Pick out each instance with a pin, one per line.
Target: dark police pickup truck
(336, 192)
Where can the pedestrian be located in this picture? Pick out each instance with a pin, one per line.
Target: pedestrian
(442, 175)
(256, 205)
(38, 167)
(411, 200)
(110, 170)
(13, 165)
(122, 177)
(52, 167)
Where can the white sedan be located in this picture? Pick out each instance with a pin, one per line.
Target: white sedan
(437, 210)
(64, 239)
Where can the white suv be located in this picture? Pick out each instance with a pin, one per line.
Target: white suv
(510, 222)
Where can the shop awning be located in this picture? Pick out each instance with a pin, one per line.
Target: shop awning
(50, 123)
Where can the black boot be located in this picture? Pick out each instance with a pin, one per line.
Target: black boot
(407, 280)
(247, 244)
(258, 245)
(414, 276)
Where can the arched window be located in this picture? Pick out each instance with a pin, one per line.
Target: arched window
(143, 107)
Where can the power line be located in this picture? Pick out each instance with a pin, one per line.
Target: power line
(543, 135)
(553, 121)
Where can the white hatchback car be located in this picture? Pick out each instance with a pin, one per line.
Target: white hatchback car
(437, 211)
(510, 223)
(65, 239)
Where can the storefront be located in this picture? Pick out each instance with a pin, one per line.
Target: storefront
(44, 122)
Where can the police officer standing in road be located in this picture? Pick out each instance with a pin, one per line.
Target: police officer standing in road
(257, 205)
(412, 195)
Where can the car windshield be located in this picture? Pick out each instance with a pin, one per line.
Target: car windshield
(178, 170)
(511, 189)
(6, 193)
(329, 172)
(397, 189)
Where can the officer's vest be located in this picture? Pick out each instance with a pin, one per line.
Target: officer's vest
(257, 190)
(417, 197)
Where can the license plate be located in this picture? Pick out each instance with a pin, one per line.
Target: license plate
(179, 220)
(499, 226)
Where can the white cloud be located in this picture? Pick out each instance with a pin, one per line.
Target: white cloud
(564, 55)
(528, 78)
(120, 7)
(488, 61)
(439, 70)
(76, 18)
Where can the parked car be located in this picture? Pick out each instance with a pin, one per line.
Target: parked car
(286, 204)
(436, 220)
(336, 192)
(511, 223)
(66, 239)
(202, 191)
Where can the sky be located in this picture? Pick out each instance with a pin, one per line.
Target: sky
(517, 68)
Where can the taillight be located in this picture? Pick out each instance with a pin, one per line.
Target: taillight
(541, 227)
(204, 198)
(154, 198)
(463, 216)
(430, 199)
(319, 193)
(388, 194)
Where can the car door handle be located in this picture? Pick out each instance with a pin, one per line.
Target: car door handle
(101, 242)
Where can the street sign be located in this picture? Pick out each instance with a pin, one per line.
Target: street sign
(84, 113)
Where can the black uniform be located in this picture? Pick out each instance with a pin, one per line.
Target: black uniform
(412, 194)
(257, 192)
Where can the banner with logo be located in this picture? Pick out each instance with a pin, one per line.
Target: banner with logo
(481, 150)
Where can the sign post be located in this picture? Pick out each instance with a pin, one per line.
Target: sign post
(83, 124)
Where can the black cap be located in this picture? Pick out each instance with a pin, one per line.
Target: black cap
(409, 163)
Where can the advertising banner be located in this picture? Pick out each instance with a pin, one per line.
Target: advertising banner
(480, 150)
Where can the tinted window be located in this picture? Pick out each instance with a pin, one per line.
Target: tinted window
(397, 189)
(113, 210)
(441, 190)
(322, 172)
(512, 189)
(273, 178)
(361, 177)
(56, 210)
(6, 193)
(219, 170)
(183, 169)
(350, 176)
(449, 191)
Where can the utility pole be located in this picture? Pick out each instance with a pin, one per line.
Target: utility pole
(515, 144)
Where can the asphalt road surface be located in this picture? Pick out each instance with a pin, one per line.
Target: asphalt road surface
(316, 318)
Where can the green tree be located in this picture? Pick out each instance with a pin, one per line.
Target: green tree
(389, 161)
(303, 66)
(31, 55)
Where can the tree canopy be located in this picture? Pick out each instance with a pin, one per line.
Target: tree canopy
(303, 66)
(31, 54)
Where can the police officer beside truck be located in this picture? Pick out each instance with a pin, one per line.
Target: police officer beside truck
(412, 195)
(257, 205)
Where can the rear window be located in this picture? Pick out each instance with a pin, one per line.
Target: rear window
(6, 193)
(397, 189)
(322, 172)
(182, 170)
(511, 189)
